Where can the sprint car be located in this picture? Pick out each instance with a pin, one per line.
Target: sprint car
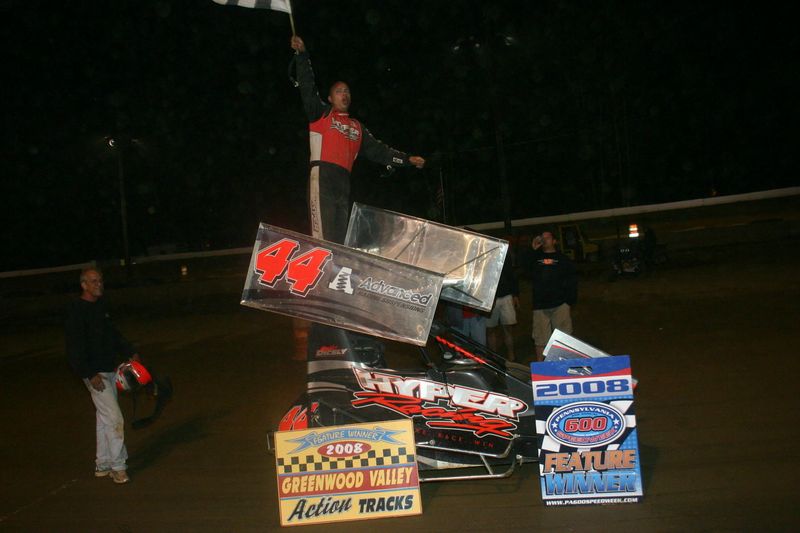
(472, 410)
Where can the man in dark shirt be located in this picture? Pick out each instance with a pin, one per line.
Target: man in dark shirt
(94, 347)
(336, 140)
(555, 290)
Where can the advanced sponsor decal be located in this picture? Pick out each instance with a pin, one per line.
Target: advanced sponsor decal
(381, 288)
(442, 406)
(342, 281)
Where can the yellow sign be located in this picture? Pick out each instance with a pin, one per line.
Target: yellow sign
(354, 472)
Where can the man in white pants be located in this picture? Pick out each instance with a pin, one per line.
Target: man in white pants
(504, 312)
(93, 348)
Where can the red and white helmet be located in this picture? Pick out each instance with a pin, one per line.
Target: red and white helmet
(131, 375)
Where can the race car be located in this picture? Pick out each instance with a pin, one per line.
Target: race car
(471, 408)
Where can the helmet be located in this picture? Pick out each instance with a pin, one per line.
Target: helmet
(131, 375)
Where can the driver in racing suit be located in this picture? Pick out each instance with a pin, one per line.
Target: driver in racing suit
(336, 139)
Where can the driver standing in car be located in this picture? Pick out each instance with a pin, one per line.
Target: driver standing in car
(336, 140)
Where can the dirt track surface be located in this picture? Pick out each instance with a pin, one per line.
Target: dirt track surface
(712, 337)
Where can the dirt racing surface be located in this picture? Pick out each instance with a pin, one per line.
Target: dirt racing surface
(713, 339)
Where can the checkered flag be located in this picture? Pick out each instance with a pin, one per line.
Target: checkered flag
(275, 5)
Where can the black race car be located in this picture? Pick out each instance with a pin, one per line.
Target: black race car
(470, 407)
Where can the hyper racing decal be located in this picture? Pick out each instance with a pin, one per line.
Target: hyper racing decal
(442, 406)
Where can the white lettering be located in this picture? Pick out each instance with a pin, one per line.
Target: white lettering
(431, 391)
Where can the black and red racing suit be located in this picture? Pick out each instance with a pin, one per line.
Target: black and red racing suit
(336, 139)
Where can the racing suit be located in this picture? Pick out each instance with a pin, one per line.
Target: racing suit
(336, 139)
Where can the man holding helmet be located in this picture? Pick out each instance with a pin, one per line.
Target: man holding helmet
(94, 347)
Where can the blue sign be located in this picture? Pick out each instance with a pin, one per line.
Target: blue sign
(588, 448)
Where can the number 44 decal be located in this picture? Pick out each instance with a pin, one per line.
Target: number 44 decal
(302, 272)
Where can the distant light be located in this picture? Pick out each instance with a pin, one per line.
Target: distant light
(465, 42)
(633, 231)
(112, 142)
(508, 40)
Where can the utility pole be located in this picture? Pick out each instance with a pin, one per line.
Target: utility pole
(505, 197)
(118, 145)
(482, 50)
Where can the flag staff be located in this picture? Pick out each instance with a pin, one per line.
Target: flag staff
(291, 17)
(442, 198)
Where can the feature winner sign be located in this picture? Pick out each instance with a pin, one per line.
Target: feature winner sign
(353, 472)
(588, 450)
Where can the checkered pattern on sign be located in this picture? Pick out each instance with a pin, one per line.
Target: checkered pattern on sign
(298, 464)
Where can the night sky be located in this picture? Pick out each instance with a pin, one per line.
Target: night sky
(597, 105)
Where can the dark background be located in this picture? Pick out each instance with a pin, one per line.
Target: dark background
(598, 105)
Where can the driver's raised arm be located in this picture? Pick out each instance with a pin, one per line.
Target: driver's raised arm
(313, 105)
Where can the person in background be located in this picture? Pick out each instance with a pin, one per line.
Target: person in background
(500, 324)
(473, 324)
(555, 290)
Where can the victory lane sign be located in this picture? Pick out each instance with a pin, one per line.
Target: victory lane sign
(352, 472)
(320, 281)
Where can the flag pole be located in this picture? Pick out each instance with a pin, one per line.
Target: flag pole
(291, 17)
(441, 188)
